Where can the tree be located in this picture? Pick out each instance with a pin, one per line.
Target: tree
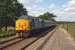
(47, 16)
(10, 10)
(4, 22)
(19, 10)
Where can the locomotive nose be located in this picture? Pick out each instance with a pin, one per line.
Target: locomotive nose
(22, 27)
(22, 24)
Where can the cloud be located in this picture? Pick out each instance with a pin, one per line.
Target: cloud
(70, 7)
(35, 9)
(32, 6)
(66, 11)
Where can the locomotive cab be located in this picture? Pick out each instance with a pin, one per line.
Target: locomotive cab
(23, 27)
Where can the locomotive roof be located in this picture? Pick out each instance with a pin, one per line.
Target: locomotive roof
(25, 17)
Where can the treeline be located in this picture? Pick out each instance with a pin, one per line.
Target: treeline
(47, 16)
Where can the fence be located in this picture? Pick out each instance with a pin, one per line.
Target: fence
(70, 27)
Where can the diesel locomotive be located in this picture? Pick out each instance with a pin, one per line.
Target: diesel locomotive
(26, 25)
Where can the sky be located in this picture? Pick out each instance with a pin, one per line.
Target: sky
(63, 9)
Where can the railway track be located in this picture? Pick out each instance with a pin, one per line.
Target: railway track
(41, 42)
(18, 44)
(4, 40)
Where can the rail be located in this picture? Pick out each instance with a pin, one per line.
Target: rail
(21, 41)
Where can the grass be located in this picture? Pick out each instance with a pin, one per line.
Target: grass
(70, 27)
(5, 34)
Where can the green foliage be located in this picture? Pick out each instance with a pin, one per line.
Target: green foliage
(47, 16)
(10, 10)
(5, 34)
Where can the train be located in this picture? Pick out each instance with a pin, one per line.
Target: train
(26, 25)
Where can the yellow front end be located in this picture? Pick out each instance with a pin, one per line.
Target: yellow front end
(22, 24)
